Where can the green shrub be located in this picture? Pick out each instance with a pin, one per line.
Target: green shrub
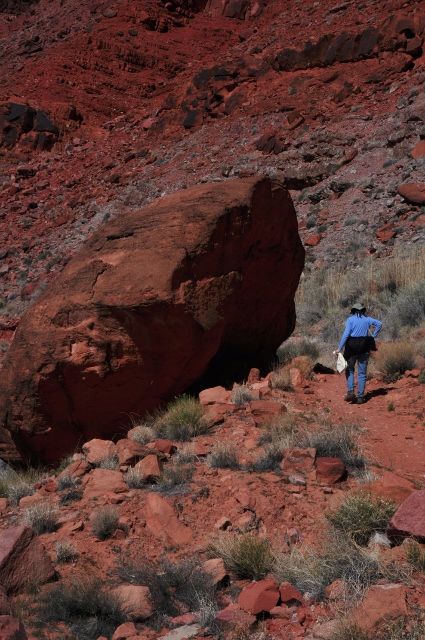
(89, 610)
(347, 631)
(104, 522)
(171, 584)
(66, 482)
(247, 556)
(41, 517)
(182, 421)
(360, 515)
(393, 359)
(15, 485)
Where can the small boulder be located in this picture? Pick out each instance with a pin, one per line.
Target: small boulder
(263, 410)
(129, 451)
(313, 241)
(97, 450)
(290, 595)
(230, 616)
(76, 469)
(214, 395)
(165, 446)
(12, 629)
(23, 560)
(413, 192)
(125, 632)
(216, 569)
(136, 601)
(101, 481)
(259, 596)
(330, 470)
(162, 521)
(381, 602)
(150, 468)
(253, 376)
(409, 519)
(335, 590)
(298, 460)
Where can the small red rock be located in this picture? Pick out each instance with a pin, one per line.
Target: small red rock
(330, 470)
(97, 450)
(259, 596)
(288, 593)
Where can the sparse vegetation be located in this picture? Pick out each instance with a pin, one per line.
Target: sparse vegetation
(86, 606)
(334, 440)
(171, 584)
(71, 496)
(293, 349)
(281, 379)
(66, 482)
(182, 420)
(110, 462)
(360, 515)
(41, 517)
(241, 395)
(65, 552)
(416, 557)
(15, 485)
(224, 456)
(393, 359)
(175, 478)
(247, 556)
(134, 479)
(142, 434)
(104, 522)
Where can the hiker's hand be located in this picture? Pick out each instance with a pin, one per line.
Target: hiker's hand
(336, 352)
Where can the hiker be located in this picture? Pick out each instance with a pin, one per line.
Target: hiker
(358, 345)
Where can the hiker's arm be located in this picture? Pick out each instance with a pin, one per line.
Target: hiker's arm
(345, 336)
(377, 324)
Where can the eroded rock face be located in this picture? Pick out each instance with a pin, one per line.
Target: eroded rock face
(137, 316)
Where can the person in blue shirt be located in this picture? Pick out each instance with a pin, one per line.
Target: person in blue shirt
(358, 345)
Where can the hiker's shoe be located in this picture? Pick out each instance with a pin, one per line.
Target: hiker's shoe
(360, 400)
(350, 396)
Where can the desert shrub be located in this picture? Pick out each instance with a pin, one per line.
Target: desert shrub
(279, 429)
(175, 478)
(407, 309)
(269, 460)
(142, 434)
(247, 556)
(224, 456)
(292, 349)
(281, 379)
(134, 479)
(416, 557)
(421, 377)
(360, 515)
(71, 496)
(241, 394)
(41, 517)
(393, 359)
(312, 570)
(104, 522)
(84, 605)
(183, 420)
(65, 552)
(15, 485)
(311, 221)
(65, 462)
(347, 631)
(66, 482)
(400, 629)
(171, 584)
(110, 462)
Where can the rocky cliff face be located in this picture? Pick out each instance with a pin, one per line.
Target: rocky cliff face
(138, 315)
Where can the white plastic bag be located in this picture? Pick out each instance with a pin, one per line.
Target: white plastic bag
(341, 363)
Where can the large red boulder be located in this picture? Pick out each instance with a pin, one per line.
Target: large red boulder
(23, 560)
(139, 313)
(409, 519)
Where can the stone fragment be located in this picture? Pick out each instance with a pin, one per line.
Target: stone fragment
(150, 468)
(335, 590)
(162, 521)
(419, 150)
(136, 601)
(313, 241)
(288, 593)
(187, 631)
(381, 602)
(282, 613)
(259, 596)
(125, 631)
(106, 338)
(12, 629)
(263, 410)
(215, 567)
(413, 192)
(129, 451)
(233, 615)
(97, 450)
(253, 376)
(222, 524)
(102, 481)
(76, 469)
(297, 379)
(23, 560)
(215, 395)
(298, 460)
(165, 446)
(330, 470)
(409, 519)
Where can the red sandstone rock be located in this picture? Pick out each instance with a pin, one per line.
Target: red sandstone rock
(150, 468)
(288, 593)
(413, 192)
(125, 631)
(259, 596)
(298, 460)
(409, 519)
(97, 450)
(381, 602)
(215, 567)
(253, 376)
(215, 395)
(419, 150)
(298, 380)
(313, 241)
(108, 339)
(136, 601)
(102, 481)
(263, 410)
(281, 612)
(130, 451)
(162, 521)
(23, 560)
(165, 446)
(4, 602)
(76, 469)
(232, 615)
(12, 629)
(335, 590)
(330, 470)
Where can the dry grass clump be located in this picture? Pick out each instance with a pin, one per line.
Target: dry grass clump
(175, 478)
(360, 515)
(182, 420)
(280, 429)
(66, 482)
(142, 434)
(41, 517)
(394, 358)
(293, 349)
(65, 552)
(281, 379)
(85, 606)
(15, 485)
(224, 456)
(71, 496)
(171, 584)
(104, 522)
(134, 479)
(241, 395)
(347, 631)
(247, 556)
(416, 556)
(109, 462)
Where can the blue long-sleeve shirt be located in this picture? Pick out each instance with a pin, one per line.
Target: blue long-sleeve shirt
(357, 326)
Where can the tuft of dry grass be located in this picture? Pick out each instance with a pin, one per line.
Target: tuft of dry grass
(41, 517)
(224, 456)
(241, 395)
(104, 522)
(183, 420)
(142, 434)
(394, 358)
(247, 556)
(65, 552)
(134, 479)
